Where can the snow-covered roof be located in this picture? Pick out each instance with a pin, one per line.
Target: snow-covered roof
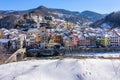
(99, 35)
(15, 38)
(81, 37)
(92, 34)
(61, 34)
(75, 34)
(53, 30)
(6, 34)
(33, 35)
(6, 31)
(4, 40)
(86, 35)
(106, 35)
(115, 35)
(71, 35)
(33, 31)
(65, 37)
(3, 29)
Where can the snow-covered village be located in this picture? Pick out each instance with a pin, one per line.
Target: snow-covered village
(59, 42)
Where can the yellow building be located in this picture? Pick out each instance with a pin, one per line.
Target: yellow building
(69, 25)
(52, 43)
(105, 41)
(37, 38)
(1, 34)
(34, 35)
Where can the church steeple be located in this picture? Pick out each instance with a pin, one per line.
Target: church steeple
(38, 22)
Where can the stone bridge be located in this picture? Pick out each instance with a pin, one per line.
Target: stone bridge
(16, 56)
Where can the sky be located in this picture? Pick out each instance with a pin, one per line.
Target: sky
(100, 6)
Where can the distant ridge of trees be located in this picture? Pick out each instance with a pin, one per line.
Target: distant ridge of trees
(113, 19)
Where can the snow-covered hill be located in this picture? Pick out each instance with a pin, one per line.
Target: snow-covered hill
(68, 69)
(62, 14)
(112, 20)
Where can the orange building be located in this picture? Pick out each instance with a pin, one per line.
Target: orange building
(57, 38)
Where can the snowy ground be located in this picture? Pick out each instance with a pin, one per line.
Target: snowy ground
(67, 69)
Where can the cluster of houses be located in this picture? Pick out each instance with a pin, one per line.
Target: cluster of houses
(60, 33)
(90, 37)
(11, 39)
(98, 37)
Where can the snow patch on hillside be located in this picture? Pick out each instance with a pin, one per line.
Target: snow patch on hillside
(105, 25)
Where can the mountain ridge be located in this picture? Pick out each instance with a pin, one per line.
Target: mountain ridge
(74, 17)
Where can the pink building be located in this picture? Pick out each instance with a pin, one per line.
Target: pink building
(75, 40)
(84, 41)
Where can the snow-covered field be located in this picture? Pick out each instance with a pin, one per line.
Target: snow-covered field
(66, 69)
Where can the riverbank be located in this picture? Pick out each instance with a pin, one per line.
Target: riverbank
(78, 51)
